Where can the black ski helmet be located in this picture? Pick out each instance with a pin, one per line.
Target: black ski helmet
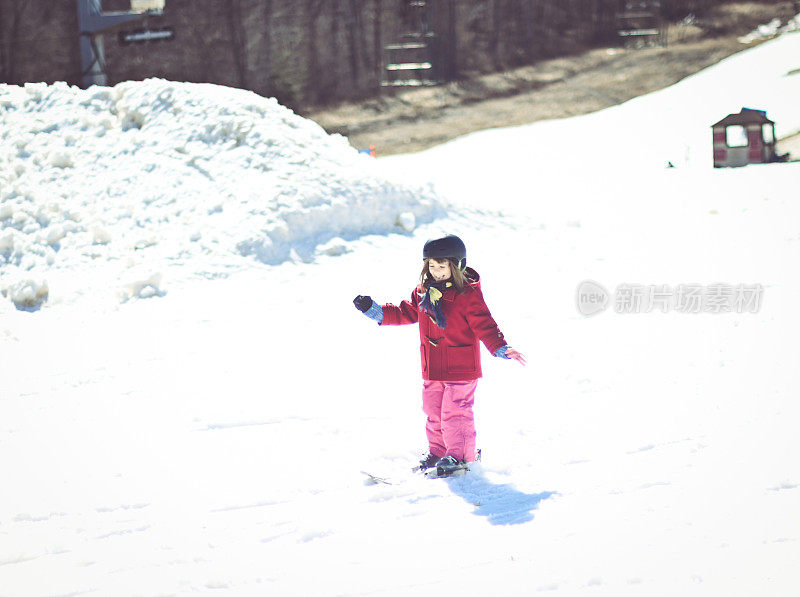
(449, 246)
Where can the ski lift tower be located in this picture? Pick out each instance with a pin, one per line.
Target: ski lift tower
(412, 60)
(641, 24)
(92, 21)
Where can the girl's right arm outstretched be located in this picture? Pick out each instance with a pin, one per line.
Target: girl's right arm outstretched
(406, 313)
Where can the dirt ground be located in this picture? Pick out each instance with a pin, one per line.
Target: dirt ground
(415, 119)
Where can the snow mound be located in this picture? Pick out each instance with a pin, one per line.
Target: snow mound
(159, 174)
(27, 294)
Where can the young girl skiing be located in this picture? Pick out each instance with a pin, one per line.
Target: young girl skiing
(448, 306)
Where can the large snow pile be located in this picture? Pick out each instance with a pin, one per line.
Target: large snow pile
(157, 173)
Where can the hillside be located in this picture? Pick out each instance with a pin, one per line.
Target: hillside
(417, 119)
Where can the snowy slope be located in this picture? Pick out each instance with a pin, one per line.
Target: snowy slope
(620, 148)
(210, 440)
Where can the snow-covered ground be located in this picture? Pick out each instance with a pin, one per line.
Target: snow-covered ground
(208, 435)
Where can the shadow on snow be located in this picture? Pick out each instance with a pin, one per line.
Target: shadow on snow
(500, 504)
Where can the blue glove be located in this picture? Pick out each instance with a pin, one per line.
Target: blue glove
(501, 352)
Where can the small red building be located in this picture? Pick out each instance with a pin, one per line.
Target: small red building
(744, 138)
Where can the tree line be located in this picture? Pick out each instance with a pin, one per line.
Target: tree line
(311, 52)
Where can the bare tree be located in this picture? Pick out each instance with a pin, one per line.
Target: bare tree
(313, 11)
(265, 63)
(354, 26)
(494, 39)
(237, 36)
(377, 41)
(449, 51)
(334, 47)
(4, 49)
(11, 14)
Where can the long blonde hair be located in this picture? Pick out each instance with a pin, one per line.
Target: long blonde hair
(457, 276)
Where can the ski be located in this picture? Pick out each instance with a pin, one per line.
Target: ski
(428, 472)
(375, 480)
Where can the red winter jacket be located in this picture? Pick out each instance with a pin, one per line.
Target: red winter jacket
(453, 353)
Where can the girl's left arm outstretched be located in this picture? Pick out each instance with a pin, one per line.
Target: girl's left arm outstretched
(485, 327)
(507, 352)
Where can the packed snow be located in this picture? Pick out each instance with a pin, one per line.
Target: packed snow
(209, 436)
(145, 178)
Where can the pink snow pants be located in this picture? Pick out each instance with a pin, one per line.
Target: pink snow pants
(451, 424)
